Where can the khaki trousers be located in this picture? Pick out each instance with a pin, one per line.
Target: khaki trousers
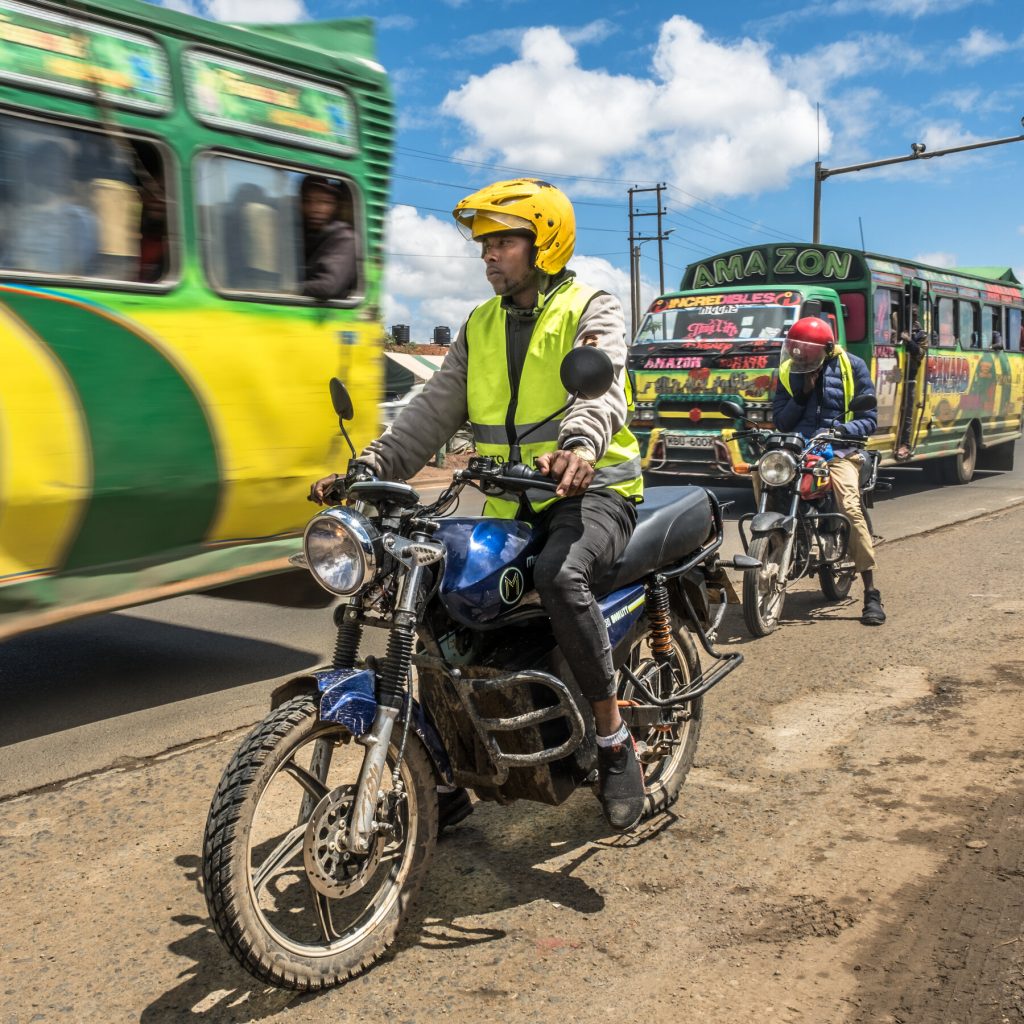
(845, 471)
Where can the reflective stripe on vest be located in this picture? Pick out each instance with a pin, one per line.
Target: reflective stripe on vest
(540, 392)
(845, 371)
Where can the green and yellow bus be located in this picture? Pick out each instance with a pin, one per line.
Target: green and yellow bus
(163, 378)
(719, 337)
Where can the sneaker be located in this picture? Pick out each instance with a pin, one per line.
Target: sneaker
(452, 807)
(620, 785)
(873, 614)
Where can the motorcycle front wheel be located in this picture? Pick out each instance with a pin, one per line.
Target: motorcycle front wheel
(666, 744)
(764, 588)
(291, 904)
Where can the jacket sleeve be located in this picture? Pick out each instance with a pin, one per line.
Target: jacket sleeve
(865, 423)
(332, 270)
(426, 423)
(597, 420)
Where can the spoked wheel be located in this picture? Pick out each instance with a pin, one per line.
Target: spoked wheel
(764, 589)
(292, 904)
(666, 738)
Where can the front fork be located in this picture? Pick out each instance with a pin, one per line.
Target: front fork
(392, 690)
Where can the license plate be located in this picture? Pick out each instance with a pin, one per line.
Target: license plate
(682, 441)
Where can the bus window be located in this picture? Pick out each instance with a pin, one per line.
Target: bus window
(967, 324)
(944, 319)
(1014, 331)
(257, 239)
(76, 203)
(884, 333)
(991, 327)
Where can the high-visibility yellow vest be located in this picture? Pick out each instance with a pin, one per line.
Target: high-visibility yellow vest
(540, 393)
(845, 371)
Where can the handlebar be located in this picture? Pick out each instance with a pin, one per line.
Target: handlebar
(507, 476)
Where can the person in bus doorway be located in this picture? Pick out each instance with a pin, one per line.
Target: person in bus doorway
(501, 373)
(329, 243)
(817, 383)
(915, 342)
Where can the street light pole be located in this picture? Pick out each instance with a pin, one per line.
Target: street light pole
(918, 152)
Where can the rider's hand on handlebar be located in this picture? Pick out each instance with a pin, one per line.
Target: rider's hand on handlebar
(572, 473)
(328, 490)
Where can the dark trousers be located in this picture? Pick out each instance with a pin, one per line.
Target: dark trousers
(585, 536)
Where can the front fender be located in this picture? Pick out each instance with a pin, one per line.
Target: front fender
(348, 698)
(769, 522)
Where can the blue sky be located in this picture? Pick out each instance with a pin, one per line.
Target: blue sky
(717, 100)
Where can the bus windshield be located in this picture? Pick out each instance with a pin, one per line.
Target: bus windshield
(762, 316)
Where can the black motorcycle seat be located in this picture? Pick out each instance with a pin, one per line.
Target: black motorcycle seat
(672, 522)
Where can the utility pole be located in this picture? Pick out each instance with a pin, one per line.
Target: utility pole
(918, 151)
(636, 240)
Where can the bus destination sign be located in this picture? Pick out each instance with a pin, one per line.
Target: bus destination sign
(773, 264)
(237, 97)
(57, 53)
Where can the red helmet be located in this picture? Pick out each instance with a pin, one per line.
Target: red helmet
(808, 344)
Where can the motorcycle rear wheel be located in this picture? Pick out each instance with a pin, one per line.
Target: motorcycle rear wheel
(835, 581)
(764, 589)
(676, 736)
(277, 886)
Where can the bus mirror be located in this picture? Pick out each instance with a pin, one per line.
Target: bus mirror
(812, 307)
(846, 311)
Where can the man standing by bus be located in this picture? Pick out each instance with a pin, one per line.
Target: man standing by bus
(817, 383)
(502, 373)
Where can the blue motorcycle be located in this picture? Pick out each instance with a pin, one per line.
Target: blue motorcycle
(325, 820)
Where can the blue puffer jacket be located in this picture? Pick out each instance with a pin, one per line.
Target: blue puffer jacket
(824, 406)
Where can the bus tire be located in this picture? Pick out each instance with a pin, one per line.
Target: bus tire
(960, 467)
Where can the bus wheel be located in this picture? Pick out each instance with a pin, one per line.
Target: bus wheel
(960, 467)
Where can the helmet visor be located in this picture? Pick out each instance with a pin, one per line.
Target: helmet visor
(806, 356)
(477, 223)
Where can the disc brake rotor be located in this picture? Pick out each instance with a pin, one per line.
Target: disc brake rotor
(332, 869)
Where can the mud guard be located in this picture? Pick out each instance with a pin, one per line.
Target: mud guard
(769, 522)
(347, 697)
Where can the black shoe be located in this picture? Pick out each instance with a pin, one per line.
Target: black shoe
(452, 808)
(873, 614)
(620, 786)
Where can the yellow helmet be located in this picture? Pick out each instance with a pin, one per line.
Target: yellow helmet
(523, 204)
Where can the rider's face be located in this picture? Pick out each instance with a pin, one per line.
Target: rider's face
(508, 263)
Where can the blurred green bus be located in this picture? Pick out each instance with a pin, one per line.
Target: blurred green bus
(163, 394)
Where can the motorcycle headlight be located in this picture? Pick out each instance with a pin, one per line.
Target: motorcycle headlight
(341, 550)
(777, 468)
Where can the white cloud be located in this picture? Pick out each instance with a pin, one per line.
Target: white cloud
(435, 277)
(1020, 230)
(714, 117)
(847, 58)
(980, 45)
(936, 259)
(243, 11)
(396, 21)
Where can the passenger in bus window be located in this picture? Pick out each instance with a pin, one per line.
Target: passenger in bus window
(328, 241)
(154, 249)
(915, 342)
(49, 231)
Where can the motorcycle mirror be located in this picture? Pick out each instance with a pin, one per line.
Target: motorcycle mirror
(862, 403)
(341, 400)
(587, 372)
(732, 410)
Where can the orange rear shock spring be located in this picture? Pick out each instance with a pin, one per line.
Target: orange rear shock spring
(659, 613)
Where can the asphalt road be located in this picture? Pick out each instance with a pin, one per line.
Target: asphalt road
(119, 688)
